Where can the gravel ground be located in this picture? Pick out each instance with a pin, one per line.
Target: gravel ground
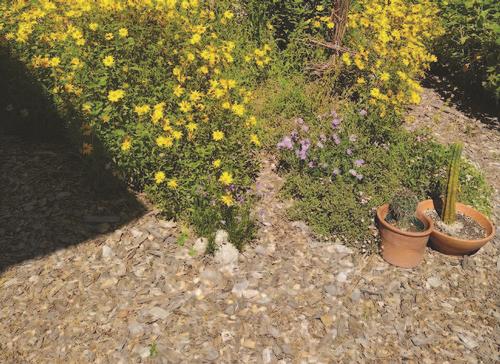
(134, 295)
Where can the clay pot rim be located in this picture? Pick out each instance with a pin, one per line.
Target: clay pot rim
(382, 213)
(458, 240)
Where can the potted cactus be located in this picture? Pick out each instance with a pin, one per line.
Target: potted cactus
(458, 229)
(404, 230)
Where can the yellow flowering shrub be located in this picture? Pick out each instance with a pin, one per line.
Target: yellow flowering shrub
(162, 84)
(388, 50)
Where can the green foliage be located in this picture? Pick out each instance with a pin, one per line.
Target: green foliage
(355, 169)
(469, 50)
(450, 199)
(402, 209)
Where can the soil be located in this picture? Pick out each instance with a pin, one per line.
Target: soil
(464, 227)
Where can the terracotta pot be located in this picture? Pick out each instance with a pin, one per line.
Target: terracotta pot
(454, 246)
(402, 248)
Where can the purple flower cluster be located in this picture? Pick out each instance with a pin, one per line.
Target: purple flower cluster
(300, 142)
(305, 144)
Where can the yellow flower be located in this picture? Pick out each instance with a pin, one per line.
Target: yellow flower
(195, 39)
(216, 163)
(178, 90)
(116, 95)
(126, 145)
(164, 142)
(185, 106)
(227, 200)
(330, 24)
(415, 98)
(87, 149)
(108, 61)
(93, 26)
(252, 121)
(226, 178)
(123, 32)
(346, 58)
(86, 107)
(255, 139)
(142, 109)
(195, 96)
(360, 81)
(228, 14)
(76, 63)
(320, 8)
(385, 76)
(109, 36)
(226, 105)
(238, 109)
(191, 127)
(157, 112)
(217, 135)
(177, 134)
(159, 177)
(172, 184)
(55, 61)
(375, 92)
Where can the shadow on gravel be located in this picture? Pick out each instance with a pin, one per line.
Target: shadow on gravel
(473, 105)
(50, 196)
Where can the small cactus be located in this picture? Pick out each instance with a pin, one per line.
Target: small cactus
(449, 213)
(402, 208)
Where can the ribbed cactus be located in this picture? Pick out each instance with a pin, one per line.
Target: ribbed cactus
(450, 199)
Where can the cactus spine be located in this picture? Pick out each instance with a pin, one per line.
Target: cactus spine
(450, 199)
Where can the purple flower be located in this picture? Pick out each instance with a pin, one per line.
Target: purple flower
(322, 137)
(336, 172)
(349, 151)
(363, 112)
(336, 122)
(285, 143)
(311, 164)
(336, 139)
(304, 148)
(353, 138)
(294, 135)
(299, 121)
(359, 162)
(353, 172)
(320, 145)
(305, 128)
(359, 176)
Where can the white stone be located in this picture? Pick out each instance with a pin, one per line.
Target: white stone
(342, 277)
(221, 237)
(267, 355)
(200, 246)
(227, 255)
(158, 313)
(107, 252)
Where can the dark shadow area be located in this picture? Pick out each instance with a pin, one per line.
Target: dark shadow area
(51, 197)
(471, 102)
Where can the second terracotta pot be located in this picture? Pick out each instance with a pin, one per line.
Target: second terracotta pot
(453, 246)
(402, 248)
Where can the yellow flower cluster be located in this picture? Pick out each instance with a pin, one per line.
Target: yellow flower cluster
(89, 51)
(389, 50)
